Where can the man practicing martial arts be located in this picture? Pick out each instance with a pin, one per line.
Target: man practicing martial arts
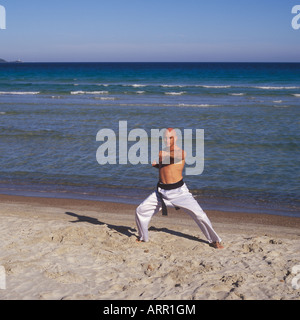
(172, 191)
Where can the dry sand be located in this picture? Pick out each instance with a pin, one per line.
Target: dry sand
(76, 249)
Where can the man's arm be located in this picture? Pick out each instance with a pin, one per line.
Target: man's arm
(176, 156)
(172, 158)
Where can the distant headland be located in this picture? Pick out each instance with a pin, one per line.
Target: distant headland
(4, 61)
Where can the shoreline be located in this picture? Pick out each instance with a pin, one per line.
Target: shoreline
(73, 249)
(208, 200)
(116, 207)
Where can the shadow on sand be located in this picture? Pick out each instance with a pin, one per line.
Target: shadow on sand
(128, 231)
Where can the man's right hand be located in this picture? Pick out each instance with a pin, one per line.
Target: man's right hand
(155, 164)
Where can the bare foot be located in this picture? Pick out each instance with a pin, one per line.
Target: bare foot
(138, 240)
(216, 245)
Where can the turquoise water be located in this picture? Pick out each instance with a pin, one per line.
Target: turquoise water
(50, 115)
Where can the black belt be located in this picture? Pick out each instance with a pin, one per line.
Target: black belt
(165, 186)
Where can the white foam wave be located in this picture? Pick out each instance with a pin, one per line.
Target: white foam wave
(215, 87)
(19, 92)
(134, 85)
(276, 88)
(138, 85)
(237, 94)
(195, 86)
(140, 92)
(77, 92)
(297, 95)
(197, 105)
(105, 98)
(175, 93)
(174, 86)
(89, 92)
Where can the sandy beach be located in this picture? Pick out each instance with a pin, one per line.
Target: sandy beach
(55, 249)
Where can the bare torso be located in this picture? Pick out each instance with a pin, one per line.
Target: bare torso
(172, 172)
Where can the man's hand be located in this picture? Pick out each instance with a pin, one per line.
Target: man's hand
(155, 164)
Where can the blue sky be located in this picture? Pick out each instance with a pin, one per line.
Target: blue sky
(150, 30)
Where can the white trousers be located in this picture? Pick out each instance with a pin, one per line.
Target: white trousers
(180, 197)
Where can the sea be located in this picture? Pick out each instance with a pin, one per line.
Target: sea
(50, 114)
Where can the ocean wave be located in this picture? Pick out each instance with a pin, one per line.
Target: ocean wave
(229, 86)
(138, 85)
(89, 92)
(174, 86)
(215, 87)
(175, 93)
(166, 105)
(297, 95)
(237, 94)
(19, 92)
(105, 98)
(204, 105)
(195, 86)
(276, 88)
(134, 85)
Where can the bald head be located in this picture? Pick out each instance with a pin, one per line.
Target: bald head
(170, 137)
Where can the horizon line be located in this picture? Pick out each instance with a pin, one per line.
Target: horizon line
(20, 61)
